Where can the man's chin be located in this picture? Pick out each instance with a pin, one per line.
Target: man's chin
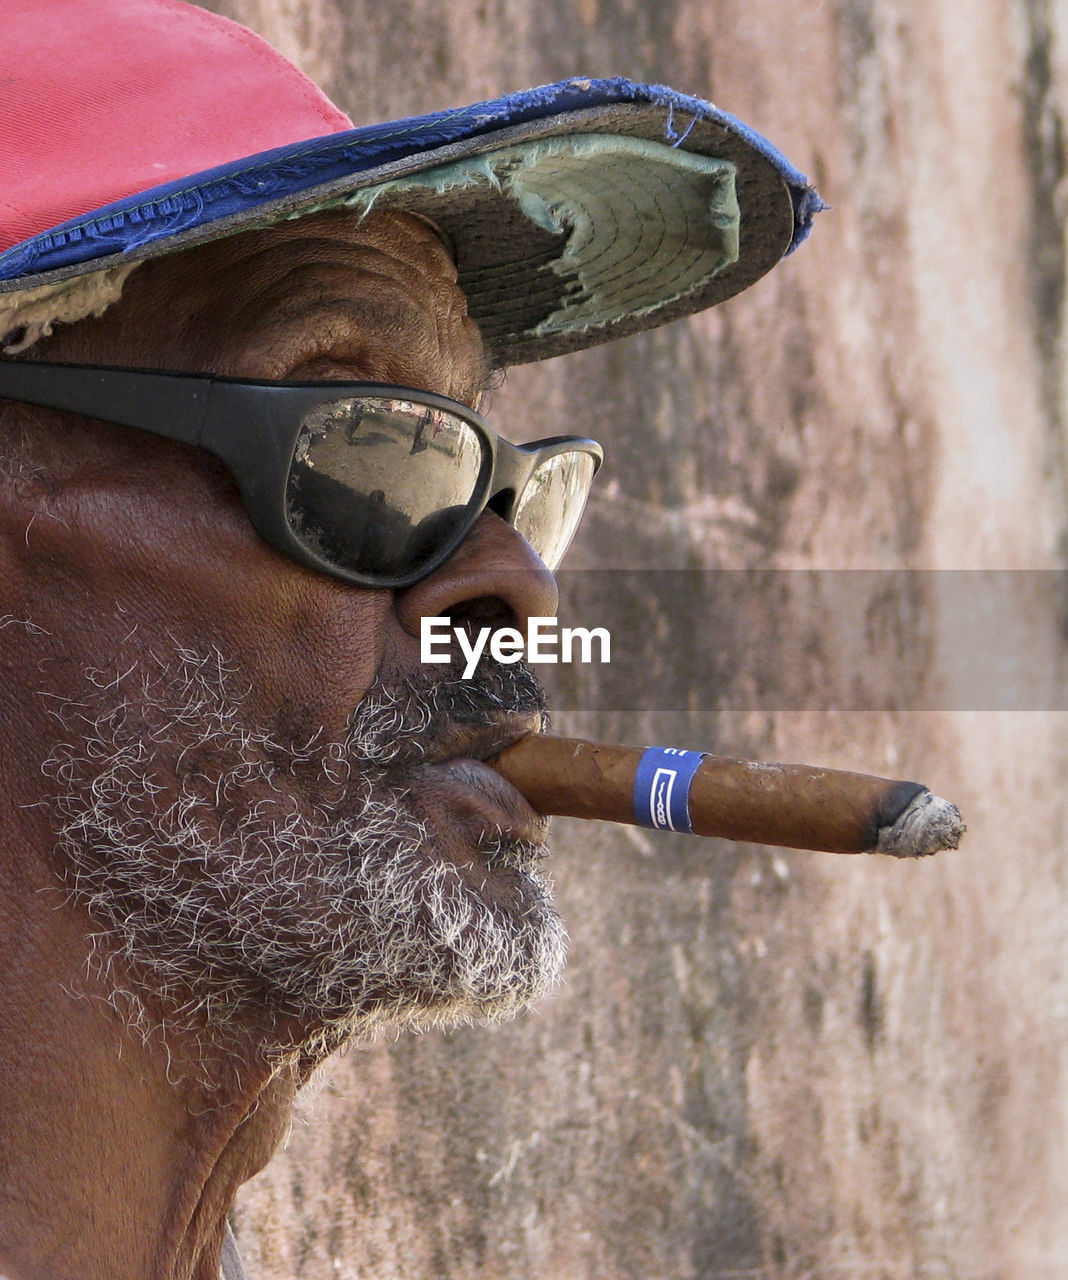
(480, 963)
(481, 943)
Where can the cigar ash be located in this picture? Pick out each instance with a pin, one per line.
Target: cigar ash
(927, 825)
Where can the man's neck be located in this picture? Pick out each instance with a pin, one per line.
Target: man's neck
(116, 1161)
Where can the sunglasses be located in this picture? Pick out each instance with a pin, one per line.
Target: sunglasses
(372, 484)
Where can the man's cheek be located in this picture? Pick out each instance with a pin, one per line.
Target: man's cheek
(312, 661)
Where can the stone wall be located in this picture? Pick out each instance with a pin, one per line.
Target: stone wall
(769, 1064)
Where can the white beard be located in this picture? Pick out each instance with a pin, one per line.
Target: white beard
(225, 874)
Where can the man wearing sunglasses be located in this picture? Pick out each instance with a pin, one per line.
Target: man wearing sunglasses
(244, 349)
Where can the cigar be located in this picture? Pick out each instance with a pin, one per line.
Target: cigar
(793, 805)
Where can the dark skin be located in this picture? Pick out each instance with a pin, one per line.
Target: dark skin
(113, 543)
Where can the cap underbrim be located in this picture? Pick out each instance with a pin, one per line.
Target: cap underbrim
(629, 230)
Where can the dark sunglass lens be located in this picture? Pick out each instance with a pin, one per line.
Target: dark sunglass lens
(378, 485)
(550, 507)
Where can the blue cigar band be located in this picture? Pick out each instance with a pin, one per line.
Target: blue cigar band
(662, 788)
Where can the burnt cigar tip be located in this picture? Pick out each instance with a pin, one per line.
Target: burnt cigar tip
(927, 825)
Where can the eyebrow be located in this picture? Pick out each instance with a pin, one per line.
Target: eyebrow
(381, 317)
(490, 377)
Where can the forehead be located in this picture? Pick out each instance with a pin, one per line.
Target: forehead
(325, 296)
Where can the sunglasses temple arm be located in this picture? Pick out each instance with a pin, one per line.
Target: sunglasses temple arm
(167, 404)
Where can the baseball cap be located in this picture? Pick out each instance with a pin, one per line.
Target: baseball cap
(577, 212)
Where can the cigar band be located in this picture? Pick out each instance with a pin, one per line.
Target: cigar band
(662, 788)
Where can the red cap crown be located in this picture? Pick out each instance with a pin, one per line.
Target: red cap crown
(196, 91)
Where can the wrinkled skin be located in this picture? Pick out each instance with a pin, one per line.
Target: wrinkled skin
(114, 545)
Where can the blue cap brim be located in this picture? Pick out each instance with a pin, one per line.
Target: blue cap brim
(525, 284)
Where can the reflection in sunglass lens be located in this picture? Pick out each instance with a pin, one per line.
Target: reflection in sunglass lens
(379, 485)
(548, 510)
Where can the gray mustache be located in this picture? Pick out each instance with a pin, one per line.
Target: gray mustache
(403, 722)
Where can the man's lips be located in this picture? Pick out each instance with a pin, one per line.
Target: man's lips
(484, 801)
(489, 801)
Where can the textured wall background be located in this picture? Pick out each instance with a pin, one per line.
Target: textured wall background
(770, 1064)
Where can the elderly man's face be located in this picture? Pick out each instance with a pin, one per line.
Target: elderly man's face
(255, 808)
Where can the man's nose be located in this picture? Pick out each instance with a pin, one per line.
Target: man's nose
(494, 578)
